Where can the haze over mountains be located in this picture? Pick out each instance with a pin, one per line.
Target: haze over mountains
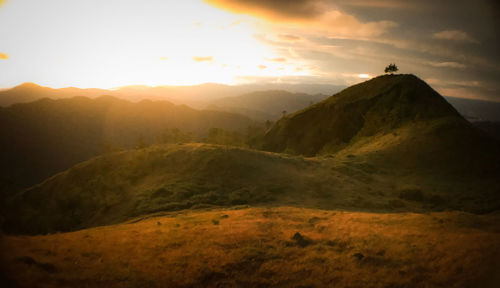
(47, 136)
(198, 96)
(266, 105)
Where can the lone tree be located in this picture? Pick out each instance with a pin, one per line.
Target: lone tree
(391, 68)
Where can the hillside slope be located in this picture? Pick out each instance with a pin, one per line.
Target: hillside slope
(393, 120)
(116, 187)
(47, 136)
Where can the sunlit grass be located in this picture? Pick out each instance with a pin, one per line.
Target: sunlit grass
(256, 247)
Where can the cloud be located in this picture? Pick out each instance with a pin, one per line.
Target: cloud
(454, 35)
(448, 65)
(386, 4)
(313, 15)
(277, 59)
(203, 58)
(340, 24)
(3, 55)
(288, 37)
(276, 9)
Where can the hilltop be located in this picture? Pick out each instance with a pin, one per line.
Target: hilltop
(391, 120)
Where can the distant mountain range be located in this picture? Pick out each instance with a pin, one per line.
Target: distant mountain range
(198, 96)
(266, 105)
(476, 110)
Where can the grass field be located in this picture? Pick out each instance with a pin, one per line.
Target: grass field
(264, 247)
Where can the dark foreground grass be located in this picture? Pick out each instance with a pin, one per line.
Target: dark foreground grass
(264, 247)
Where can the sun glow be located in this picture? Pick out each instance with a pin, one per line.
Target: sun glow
(364, 76)
(106, 44)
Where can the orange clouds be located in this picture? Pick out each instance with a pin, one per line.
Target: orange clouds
(272, 10)
(3, 55)
(278, 59)
(203, 58)
(312, 15)
(288, 37)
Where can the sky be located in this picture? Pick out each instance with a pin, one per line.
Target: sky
(451, 44)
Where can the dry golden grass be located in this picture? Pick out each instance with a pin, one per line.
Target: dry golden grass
(253, 247)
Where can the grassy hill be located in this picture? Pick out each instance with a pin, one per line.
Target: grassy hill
(392, 120)
(263, 247)
(266, 105)
(47, 136)
(116, 187)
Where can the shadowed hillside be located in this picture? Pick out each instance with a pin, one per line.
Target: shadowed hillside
(41, 138)
(392, 120)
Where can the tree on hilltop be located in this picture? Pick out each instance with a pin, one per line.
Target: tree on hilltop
(391, 68)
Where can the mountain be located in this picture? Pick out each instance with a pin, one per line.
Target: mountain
(476, 110)
(29, 92)
(197, 96)
(391, 120)
(41, 138)
(266, 105)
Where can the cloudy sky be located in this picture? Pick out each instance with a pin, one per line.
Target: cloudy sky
(452, 44)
